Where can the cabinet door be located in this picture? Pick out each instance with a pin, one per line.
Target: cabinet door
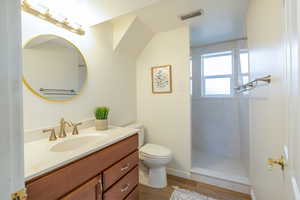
(92, 190)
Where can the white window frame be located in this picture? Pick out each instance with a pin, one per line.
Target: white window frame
(231, 76)
(191, 76)
(241, 74)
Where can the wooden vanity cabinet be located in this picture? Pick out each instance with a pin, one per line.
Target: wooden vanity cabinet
(109, 174)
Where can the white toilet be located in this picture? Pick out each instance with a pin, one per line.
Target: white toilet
(155, 158)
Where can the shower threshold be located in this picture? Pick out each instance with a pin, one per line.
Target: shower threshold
(220, 171)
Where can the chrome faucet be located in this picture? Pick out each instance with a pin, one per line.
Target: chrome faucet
(62, 130)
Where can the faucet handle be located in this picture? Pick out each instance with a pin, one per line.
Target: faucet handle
(52, 135)
(69, 124)
(75, 124)
(75, 129)
(63, 122)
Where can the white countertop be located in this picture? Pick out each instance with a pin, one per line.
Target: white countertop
(40, 157)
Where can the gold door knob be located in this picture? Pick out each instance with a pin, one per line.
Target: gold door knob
(281, 162)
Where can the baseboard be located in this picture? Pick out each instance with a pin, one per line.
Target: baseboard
(253, 195)
(179, 173)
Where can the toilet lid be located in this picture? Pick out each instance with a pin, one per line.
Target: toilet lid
(154, 150)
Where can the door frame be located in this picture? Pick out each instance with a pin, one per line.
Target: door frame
(292, 58)
(11, 115)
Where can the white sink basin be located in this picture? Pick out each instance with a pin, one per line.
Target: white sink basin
(78, 142)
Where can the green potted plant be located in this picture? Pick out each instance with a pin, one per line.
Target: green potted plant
(101, 115)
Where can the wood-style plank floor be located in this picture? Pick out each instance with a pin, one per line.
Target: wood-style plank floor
(147, 193)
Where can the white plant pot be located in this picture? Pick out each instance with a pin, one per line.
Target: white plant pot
(101, 125)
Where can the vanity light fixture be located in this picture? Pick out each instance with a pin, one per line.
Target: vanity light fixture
(44, 13)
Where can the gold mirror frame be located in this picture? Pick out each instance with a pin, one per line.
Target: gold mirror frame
(25, 82)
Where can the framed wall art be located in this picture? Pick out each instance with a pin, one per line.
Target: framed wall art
(161, 79)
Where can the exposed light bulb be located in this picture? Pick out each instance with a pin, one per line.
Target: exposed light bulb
(41, 9)
(75, 25)
(26, 3)
(30, 3)
(59, 17)
(66, 21)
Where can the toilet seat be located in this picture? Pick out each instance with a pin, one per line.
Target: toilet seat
(154, 151)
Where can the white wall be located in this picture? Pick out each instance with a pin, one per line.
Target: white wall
(219, 124)
(216, 126)
(167, 116)
(111, 78)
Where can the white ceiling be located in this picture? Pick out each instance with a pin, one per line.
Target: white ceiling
(221, 20)
(92, 12)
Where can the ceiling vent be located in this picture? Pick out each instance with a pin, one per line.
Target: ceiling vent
(191, 15)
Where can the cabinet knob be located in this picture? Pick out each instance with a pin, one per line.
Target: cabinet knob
(126, 167)
(125, 188)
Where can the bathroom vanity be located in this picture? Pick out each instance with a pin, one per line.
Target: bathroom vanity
(91, 165)
(104, 166)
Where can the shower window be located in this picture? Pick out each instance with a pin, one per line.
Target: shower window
(217, 74)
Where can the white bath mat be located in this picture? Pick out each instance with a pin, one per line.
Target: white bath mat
(181, 194)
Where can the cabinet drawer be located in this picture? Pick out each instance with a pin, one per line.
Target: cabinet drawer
(122, 188)
(60, 182)
(134, 195)
(114, 173)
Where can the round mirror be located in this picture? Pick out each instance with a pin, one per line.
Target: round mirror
(54, 69)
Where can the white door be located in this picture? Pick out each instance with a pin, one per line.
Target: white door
(11, 117)
(274, 109)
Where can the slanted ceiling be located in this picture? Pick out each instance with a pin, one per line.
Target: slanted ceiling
(121, 27)
(130, 35)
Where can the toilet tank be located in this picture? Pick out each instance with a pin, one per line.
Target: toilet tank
(141, 132)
